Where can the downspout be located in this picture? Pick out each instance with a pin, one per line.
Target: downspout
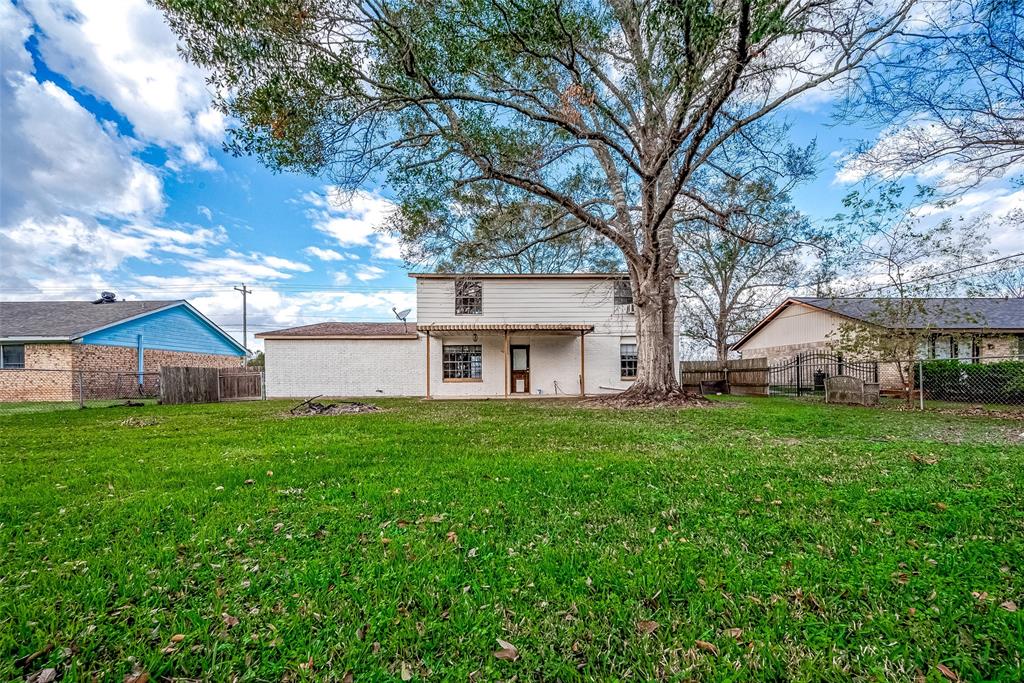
(140, 362)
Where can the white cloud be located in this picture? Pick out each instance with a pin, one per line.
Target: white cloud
(341, 278)
(205, 212)
(323, 254)
(57, 158)
(235, 266)
(368, 273)
(354, 219)
(123, 52)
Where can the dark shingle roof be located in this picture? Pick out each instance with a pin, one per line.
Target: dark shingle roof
(66, 319)
(343, 329)
(947, 313)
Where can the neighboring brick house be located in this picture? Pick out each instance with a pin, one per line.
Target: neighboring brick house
(971, 329)
(46, 347)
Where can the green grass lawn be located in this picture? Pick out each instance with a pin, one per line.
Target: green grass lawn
(759, 539)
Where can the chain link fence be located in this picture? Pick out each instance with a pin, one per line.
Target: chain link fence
(985, 381)
(997, 381)
(37, 390)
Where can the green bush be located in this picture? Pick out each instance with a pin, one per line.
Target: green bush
(954, 380)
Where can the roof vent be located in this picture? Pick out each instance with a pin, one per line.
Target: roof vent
(106, 298)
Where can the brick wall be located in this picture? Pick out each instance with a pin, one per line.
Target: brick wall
(46, 376)
(123, 359)
(50, 372)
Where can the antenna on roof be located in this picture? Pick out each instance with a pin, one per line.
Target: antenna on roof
(402, 315)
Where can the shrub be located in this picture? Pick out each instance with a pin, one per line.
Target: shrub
(953, 380)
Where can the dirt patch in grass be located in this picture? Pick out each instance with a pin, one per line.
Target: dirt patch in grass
(632, 401)
(139, 422)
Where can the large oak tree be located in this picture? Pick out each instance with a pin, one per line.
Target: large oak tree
(603, 109)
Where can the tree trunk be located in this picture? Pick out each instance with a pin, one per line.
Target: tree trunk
(655, 339)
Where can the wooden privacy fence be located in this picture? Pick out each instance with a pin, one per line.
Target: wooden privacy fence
(209, 385)
(738, 376)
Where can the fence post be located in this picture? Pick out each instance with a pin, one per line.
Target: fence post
(920, 383)
(81, 389)
(798, 364)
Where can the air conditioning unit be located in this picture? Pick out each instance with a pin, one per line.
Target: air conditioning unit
(629, 309)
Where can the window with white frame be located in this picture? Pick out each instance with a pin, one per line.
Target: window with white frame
(12, 356)
(952, 347)
(462, 361)
(469, 297)
(627, 360)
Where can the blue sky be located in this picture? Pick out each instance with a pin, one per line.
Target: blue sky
(113, 178)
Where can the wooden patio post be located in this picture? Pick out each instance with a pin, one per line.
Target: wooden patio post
(505, 355)
(428, 363)
(583, 365)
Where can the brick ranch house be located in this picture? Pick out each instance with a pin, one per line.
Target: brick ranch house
(45, 345)
(974, 330)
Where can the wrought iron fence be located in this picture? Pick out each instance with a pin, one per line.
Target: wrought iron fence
(805, 374)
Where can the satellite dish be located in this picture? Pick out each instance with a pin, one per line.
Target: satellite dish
(402, 315)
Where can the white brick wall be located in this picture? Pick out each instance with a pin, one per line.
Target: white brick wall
(397, 367)
(345, 367)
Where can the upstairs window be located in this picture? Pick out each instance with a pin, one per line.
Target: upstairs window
(463, 361)
(627, 361)
(12, 356)
(469, 297)
(623, 294)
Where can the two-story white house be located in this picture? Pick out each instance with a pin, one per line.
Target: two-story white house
(476, 335)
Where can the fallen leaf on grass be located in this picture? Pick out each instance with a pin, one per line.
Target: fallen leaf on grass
(44, 676)
(177, 637)
(646, 627)
(169, 650)
(375, 648)
(361, 632)
(23, 662)
(347, 678)
(406, 671)
(136, 677)
(472, 552)
(452, 537)
(941, 506)
(508, 651)
(229, 620)
(307, 665)
(923, 461)
(947, 672)
(980, 596)
(250, 482)
(278, 527)
(1009, 606)
(734, 632)
(706, 646)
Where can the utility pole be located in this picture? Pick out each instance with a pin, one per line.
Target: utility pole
(245, 321)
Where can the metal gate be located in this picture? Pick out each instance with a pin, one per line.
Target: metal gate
(805, 374)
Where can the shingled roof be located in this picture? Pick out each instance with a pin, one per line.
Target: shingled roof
(344, 330)
(938, 313)
(953, 313)
(67, 319)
